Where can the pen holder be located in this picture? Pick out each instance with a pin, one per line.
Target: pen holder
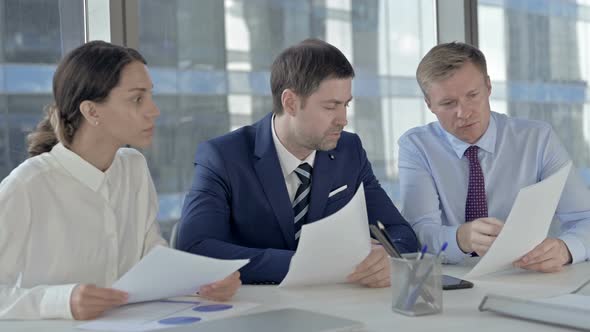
(416, 285)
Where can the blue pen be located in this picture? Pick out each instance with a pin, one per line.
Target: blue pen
(442, 249)
(422, 252)
(416, 291)
(412, 274)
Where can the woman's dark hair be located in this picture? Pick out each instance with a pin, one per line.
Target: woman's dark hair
(88, 72)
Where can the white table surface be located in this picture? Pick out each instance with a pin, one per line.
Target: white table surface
(373, 306)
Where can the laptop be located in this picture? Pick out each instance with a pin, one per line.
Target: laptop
(283, 320)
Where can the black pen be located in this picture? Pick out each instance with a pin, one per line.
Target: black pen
(386, 235)
(391, 251)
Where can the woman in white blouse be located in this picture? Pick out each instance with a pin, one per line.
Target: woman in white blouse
(82, 210)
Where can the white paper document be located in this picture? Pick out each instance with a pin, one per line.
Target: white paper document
(527, 224)
(164, 314)
(166, 272)
(330, 249)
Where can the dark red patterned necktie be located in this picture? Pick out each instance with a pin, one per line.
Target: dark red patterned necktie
(476, 205)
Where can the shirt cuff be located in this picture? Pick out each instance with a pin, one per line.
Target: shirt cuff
(56, 302)
(453, 254)
(575, 246)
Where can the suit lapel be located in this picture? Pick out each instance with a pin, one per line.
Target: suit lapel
(322, 180)
(270, 175)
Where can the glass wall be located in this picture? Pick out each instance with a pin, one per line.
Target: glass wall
(210, 63)
(34, 34)
(538, 54)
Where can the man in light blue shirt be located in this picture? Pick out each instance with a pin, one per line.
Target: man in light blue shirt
(460, 176)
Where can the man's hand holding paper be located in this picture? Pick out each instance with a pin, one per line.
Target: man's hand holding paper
(526, 227)
(549, 256)
(318, 261)
(478, 235)
(373, 271)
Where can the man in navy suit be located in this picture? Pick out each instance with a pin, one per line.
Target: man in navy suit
(254, 187)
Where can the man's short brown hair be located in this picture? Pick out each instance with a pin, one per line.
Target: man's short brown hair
(303, 67)
(443, 60)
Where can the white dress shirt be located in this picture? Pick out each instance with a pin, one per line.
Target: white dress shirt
(64, 222)
(289, 163)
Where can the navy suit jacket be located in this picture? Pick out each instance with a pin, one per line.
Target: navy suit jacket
(238, 205)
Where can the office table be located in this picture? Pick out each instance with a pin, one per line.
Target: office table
(373, 306)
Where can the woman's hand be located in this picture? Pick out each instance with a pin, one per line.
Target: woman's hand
(89, 301)
(222, 290)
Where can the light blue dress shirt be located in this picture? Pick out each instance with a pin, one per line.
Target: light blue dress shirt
(513, 153)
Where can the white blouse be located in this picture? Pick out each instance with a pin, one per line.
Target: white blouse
(64, 222)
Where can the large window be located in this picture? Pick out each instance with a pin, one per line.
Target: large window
(538, 54)
(34, 34)
(210, 62)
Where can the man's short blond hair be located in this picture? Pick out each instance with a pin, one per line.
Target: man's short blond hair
(443, 60)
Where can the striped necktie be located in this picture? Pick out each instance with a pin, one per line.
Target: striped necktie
(301, 202)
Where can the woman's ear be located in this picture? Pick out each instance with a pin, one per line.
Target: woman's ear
(88, 110)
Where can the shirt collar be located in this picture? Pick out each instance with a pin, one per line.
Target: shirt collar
(287, 160)
(487, 141)
(79, 168)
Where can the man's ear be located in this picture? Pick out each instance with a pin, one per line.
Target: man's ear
(290, 101)
(427, 101)
(88, 110)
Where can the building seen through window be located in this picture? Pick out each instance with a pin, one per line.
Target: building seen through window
(34, 35)
(213, 77)
(538, 56)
